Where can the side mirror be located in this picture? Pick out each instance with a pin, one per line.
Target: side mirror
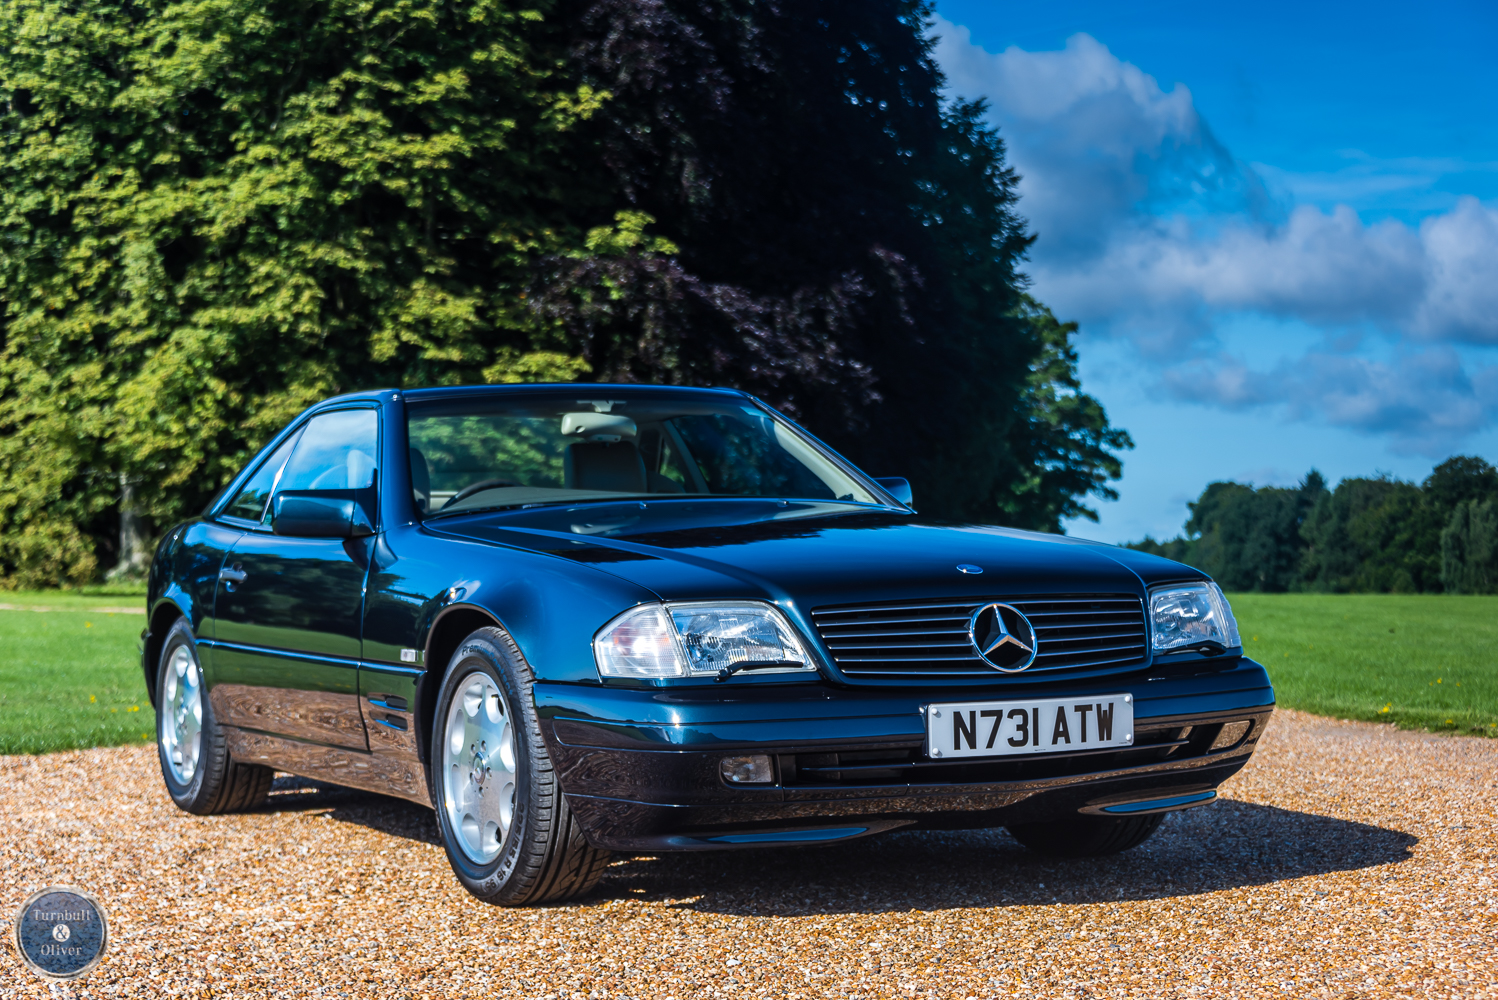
(897, 488)
(320, 514)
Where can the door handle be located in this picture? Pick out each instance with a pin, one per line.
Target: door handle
(231, 577)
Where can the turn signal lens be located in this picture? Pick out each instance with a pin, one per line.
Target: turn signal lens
(639, 643)
(755, 769)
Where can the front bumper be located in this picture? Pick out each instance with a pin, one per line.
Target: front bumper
(640, 767)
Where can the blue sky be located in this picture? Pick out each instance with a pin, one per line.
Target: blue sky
(1279, 230)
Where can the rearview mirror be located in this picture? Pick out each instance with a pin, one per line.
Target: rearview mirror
(320, 514)
(897, 488)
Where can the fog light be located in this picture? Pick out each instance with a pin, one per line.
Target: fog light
(755, 769)
(1230, 735)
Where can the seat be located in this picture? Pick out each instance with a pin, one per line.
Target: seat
(613, 468)
(421, 480)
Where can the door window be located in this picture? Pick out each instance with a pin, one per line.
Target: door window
(253, 500)
(336, 452)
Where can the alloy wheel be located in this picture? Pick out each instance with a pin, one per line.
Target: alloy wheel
(182, 725)
(478, 767)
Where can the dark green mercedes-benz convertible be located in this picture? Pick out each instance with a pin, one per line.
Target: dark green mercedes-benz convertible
(576, 619)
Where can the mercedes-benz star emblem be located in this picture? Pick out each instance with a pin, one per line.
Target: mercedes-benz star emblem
(1003, 637)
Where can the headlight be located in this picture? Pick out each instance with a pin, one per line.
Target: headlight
(1186, 615)
(697, 640)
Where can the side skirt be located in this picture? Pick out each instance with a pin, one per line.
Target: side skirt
(404, 779)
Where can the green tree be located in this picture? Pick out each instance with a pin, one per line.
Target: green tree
(1385, 535)
(1177, 548)
(1469, 548)
(1246, 538)
(1062, 446)
(213, 212)
(1462, 495)
(1369, 534)
(1346, 528)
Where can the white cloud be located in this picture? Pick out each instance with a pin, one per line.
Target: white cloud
(1319, 267)
(1149, 228)
(1098, 141)
(1461, 298)
(1421, 400)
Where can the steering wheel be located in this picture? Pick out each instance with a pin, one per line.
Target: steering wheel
(478, 487)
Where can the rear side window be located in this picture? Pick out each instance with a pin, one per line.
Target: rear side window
(252, 500)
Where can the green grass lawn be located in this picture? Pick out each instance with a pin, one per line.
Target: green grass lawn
(72, 678)
(1424, 661)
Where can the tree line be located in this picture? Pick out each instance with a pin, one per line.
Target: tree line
(1378, 534)
(215, 212)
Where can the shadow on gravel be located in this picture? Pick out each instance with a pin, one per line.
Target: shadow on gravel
(393, 816)
(1227, 845)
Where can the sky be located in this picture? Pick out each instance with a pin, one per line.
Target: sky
(1277, 226)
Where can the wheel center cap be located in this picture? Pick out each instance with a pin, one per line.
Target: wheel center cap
(480, 766)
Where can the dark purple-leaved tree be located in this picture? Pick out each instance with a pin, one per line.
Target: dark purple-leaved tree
(845, 246)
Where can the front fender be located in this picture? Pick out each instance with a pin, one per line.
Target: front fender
(551, 606)
(182, 582)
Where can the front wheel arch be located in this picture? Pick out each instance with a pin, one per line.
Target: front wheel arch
(158, 625)
(453, 625)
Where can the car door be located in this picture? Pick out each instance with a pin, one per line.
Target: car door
(287, 612)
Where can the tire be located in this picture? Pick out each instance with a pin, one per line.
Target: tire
(200, 775)
(509, 834)
(1086, 836)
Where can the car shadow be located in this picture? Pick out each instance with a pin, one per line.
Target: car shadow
(1223, 846)
(1227, 845)
(388, 815)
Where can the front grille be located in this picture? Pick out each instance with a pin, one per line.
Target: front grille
(920, 639)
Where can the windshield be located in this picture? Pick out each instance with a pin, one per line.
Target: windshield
(472, 452)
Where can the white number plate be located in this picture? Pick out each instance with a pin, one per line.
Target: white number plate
(1042, 725)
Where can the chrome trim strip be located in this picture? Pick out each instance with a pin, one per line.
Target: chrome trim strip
(1128, 601)
(1154, 805)
(386, 667)
(285, 654)
(292, 654)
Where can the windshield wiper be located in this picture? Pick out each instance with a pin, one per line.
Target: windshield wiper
(531, 503)
(475, 510)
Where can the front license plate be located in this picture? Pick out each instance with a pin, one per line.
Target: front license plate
(1042, 725)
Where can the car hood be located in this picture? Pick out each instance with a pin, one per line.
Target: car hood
(813, 554)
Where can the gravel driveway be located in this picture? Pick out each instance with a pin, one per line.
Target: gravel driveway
(1349, 860)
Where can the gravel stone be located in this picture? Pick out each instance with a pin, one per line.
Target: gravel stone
(1348, 860)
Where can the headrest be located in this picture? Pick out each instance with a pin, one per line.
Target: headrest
(615, 468)
(599, 426)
